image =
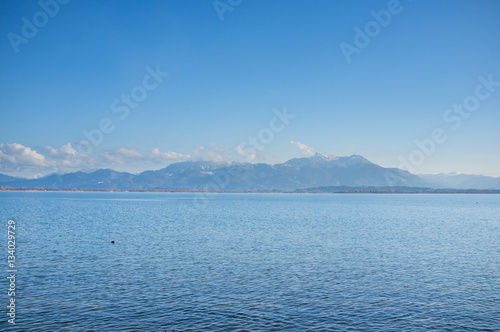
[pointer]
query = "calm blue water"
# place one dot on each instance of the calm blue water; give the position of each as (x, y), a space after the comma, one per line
(253, 262)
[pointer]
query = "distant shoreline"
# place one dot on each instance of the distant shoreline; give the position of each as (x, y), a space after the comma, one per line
(298, 191)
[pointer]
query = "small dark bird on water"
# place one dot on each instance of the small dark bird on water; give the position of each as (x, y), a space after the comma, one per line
(112, 241)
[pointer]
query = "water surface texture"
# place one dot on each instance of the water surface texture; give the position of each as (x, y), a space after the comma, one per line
(253, 262)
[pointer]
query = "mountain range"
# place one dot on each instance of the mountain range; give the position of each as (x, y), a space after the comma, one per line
(299, 173)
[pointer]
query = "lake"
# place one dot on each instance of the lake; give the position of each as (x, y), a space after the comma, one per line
(252, 262)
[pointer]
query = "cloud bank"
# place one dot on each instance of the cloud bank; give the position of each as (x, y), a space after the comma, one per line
(18, 159)
(304, 149)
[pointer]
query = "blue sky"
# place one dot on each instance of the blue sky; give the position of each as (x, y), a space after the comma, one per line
(227, 79)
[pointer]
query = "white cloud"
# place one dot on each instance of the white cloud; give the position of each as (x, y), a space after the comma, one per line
(304, 149)
(19, 156)
(212, 153)
(66, 158)
(65, 151)
(19, 160)
(84, 143)
(111, 159)
(129, 153)
(120, 156)
(213, 156)
(239, 150)
(156, 156)
(199, 149)
(35, 176)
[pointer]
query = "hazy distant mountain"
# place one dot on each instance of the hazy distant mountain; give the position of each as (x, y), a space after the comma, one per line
(6, 178)
(103, 178)
(319, 170)
(461, 181)
(322, 170)
(184, 175)
(298, 173)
